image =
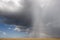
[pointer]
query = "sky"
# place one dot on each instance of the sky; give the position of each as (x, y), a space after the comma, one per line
(50, 17)
(10, 31)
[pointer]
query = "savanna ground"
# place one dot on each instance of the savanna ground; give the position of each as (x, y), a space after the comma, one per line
(29, 38)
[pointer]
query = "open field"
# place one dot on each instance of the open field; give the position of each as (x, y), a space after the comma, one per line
(29, 38)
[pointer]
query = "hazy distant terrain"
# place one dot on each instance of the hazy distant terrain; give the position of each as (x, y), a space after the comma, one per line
(29, 39)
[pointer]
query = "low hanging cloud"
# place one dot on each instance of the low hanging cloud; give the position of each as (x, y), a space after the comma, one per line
(9, 28)
(17, 29)
(3, 33)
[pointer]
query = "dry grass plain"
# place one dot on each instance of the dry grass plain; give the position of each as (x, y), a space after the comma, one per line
(29, 38)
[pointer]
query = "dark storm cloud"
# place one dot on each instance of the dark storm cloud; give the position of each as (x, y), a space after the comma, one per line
(23, 20)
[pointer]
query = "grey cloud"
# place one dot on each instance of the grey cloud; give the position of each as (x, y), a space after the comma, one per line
(53, 17)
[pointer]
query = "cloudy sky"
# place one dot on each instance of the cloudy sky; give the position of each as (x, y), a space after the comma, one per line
(10, 31)
(50, 17)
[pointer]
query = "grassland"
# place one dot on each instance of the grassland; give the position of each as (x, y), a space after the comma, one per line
(29, 38)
